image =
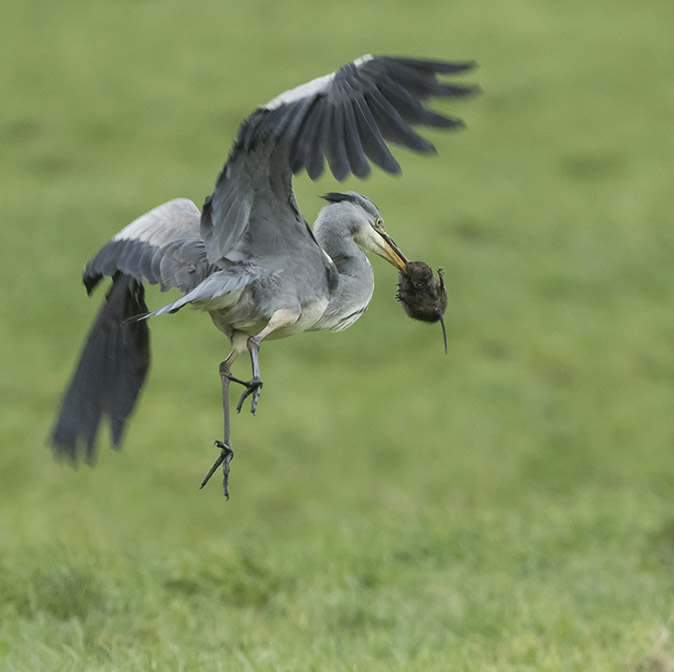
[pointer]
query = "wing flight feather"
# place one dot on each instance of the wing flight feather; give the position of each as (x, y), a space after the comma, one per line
(347, 117)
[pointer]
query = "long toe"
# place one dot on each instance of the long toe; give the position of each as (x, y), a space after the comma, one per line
(225, 457)
(228, 456)
(253, 387)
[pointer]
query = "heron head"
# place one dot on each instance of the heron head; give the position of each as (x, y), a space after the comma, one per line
(366, 226)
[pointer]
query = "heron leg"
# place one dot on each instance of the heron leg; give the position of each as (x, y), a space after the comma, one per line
(226, 452)
(254, 385)
(280, 318)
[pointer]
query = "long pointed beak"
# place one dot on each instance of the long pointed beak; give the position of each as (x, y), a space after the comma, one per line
(392, 253)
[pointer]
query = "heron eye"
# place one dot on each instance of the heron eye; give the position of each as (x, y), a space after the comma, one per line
(379, 224)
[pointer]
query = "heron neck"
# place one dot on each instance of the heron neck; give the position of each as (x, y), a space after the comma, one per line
(352, 294)
(348, 257)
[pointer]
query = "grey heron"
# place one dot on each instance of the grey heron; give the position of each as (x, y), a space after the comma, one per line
(249, 258)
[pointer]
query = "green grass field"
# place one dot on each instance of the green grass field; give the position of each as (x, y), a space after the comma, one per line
(507, 507)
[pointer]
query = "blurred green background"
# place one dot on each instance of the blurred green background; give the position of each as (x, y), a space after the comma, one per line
(507, 507)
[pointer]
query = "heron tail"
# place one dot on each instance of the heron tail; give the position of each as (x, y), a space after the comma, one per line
(111, 371)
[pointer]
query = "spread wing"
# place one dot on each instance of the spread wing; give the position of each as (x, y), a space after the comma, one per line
(346, 117)
(162, 246)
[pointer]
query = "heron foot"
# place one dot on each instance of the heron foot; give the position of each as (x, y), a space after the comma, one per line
(225, 457)
(254, 387)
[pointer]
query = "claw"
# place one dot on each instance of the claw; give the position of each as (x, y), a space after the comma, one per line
(253, 387)
(225, 457)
